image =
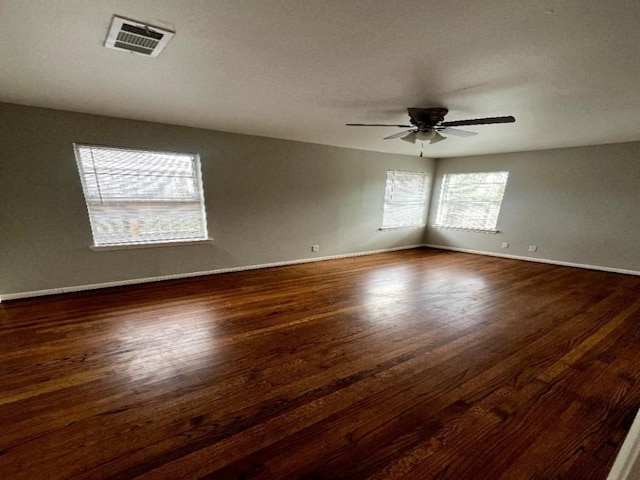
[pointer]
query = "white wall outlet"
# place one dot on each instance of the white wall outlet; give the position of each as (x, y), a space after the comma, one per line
(315, 248)
(532, 248)
(504, 245)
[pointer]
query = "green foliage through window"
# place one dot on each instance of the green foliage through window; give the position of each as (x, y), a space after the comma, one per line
(471, 200)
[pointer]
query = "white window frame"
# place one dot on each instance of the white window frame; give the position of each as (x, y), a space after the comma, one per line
(449, 198)
(140, 209)
(396, 199)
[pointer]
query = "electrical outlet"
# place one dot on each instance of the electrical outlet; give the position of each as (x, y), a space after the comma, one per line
(532, 248)
(315, 248)
(504, 245)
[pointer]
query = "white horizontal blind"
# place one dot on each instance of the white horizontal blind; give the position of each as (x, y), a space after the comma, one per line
(139, 196)
(471, 200)
(404, 200)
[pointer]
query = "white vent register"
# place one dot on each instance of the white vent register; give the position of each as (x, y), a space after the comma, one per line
(135, 37)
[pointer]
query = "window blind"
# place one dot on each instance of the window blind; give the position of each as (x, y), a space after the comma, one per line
(471, 200)
(139, 196)
(405, 199)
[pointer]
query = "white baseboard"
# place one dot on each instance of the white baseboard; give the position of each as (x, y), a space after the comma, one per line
(134, 281)
(78, 288)
(627, 463)
(537, 260)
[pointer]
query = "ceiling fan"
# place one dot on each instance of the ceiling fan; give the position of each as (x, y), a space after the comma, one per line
(428, 123)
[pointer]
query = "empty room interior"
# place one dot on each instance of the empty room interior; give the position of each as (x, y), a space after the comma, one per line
(338, 239)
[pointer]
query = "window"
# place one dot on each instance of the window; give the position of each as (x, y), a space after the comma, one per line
(139, 197)
(404, 200)
(471, 201)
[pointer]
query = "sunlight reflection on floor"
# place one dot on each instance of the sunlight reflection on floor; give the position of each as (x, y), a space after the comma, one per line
(176, 344)
(394, 294)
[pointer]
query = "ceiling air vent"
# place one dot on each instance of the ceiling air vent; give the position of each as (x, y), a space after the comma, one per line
(136, 37)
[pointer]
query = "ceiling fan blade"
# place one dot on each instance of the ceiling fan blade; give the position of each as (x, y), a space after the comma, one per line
(375, 125)
(478, 121)
(404, 133)
(456, 132)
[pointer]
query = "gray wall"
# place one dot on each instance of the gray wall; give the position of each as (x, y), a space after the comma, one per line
(267, 200)
(579, 205)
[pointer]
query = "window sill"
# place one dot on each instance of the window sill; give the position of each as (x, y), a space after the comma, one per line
(401, 228)
(472, 230)
(128, 246)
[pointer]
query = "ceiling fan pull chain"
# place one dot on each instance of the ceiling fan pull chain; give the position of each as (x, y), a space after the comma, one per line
(421, 148)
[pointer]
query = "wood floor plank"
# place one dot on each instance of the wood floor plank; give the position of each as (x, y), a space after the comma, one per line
(415, 364)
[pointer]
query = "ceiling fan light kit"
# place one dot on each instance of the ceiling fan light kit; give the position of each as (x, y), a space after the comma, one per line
(430, 136)
(408, 137)
(427, 123)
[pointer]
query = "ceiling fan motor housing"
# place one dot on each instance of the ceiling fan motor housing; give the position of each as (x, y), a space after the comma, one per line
(426, 118)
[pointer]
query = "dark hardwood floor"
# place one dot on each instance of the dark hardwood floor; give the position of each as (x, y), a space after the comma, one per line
(418, 364)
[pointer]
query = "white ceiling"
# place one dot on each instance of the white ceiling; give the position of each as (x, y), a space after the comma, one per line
(569, 71)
